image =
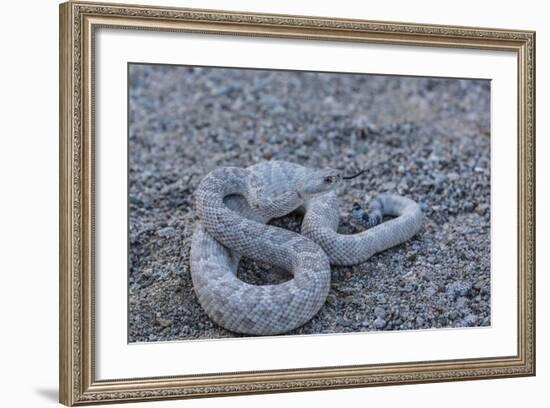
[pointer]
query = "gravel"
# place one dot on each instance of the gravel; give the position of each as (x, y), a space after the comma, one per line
(425, 138)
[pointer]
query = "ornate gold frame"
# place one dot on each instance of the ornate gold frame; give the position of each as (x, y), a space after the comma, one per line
(78, 21)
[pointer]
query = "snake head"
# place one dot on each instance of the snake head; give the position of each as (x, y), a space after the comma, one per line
(319, 182)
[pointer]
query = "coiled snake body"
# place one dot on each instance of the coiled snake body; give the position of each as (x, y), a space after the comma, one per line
(234, 204)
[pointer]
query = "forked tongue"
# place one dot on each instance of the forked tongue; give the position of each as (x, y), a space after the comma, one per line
(352, 177)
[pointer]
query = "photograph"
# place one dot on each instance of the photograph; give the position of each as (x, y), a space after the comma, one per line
(267, 202)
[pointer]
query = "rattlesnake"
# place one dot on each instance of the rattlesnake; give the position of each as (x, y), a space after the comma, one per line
(234, 204)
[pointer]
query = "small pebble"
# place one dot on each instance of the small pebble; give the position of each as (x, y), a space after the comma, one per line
(479, 284)
(164, 322)
(470, 319)
(458, 288)
(468, 206)
(380, 312)
(379, 323)
(167, 232)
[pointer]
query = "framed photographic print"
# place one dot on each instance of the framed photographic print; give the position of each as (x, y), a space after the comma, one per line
(262, 203)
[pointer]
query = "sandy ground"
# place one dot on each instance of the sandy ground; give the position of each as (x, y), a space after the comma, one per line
(428, 139)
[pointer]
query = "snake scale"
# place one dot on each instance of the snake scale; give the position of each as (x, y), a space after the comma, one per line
(234, 205)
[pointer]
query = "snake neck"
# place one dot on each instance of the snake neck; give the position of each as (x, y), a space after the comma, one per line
(272, 188)
(219, 184)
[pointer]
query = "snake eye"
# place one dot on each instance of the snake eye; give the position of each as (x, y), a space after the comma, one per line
(328, 179)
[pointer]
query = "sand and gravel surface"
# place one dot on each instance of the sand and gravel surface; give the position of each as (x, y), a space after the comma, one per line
(425, 138)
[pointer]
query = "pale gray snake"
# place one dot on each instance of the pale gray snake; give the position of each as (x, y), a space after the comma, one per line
(234, 205)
